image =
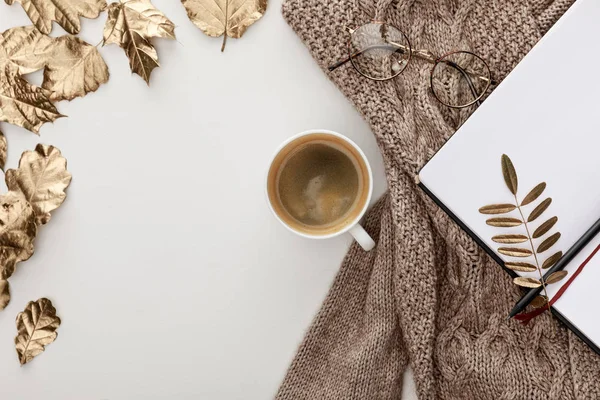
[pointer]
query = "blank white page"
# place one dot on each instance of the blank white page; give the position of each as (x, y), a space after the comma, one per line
(546, 116)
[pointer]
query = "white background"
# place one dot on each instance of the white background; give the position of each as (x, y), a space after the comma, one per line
(172, 279)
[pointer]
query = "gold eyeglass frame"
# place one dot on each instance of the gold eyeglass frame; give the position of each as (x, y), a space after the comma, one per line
(422, 54)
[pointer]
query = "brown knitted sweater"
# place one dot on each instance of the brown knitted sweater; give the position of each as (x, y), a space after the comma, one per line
(427, 296)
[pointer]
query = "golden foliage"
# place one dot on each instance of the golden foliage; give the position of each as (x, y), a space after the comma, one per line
(556, 277)
(3, 151)
(36, 188)
(531, 283)
(520, 266)
(506, 220)
(131, 24)
(42, 178)
(534, 194)
(17, 232)
(539, 301)
(510, 174)
(544, 228)
(227, 18)
(553, 259)
(65, 12)
(36, 327)
(510, 238)
(71, 68)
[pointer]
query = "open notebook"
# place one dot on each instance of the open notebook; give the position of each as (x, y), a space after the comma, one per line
(546, 117)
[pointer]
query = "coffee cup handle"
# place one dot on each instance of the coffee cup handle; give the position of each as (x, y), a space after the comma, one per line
(362, 237)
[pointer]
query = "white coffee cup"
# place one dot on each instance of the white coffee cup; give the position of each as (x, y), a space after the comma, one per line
(359, 209)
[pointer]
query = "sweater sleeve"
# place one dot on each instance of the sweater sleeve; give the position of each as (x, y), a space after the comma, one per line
(353, 349)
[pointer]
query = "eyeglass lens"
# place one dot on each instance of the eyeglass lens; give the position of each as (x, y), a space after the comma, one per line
(380, 51)
(460, 79)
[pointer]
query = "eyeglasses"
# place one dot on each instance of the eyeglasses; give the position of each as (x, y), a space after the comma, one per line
(380, 51)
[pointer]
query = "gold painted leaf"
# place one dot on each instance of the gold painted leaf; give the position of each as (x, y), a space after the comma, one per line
(23, 104)
(539, 301)
(131, 24)
(65, 12)
(534, 194)
(531, 283)
(544, 228)
(510, 239)
(72, 68)
(556, 277)
(227, 18)
(553, 259)
(36, 327)
(4, 294)
(520, 266)
(510, 175)
(539, 210)
(549, 242)
(497, 209)
(17, 232)
(24, 50)
(504, 222)
(76, 69)
(514, 252)
(42, 178)
(3, 150)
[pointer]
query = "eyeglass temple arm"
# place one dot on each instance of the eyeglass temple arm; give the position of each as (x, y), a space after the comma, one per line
(341, 62)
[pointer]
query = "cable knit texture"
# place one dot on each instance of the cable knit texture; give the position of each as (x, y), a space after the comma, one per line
(427, 296)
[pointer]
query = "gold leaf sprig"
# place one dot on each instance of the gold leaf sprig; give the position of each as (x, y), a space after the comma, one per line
(36, 327)
(227, 18)
(36, 189)
(503, 219)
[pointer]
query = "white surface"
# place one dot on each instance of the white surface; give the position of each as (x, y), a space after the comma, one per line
(172, 278)
(545, 117)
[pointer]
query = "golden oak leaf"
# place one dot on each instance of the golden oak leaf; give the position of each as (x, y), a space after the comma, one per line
(17, 232)
(131, 24)
(42, 179)
(65, 12)
(36, 327)
(75, 69)
(229, 18)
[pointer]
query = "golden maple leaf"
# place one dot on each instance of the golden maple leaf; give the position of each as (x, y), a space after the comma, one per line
(23, 104)
(229, 18)
(24, 50)
(65, 12)
(36, 327)
(17, 232)
(72, 68)
(131, 24)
